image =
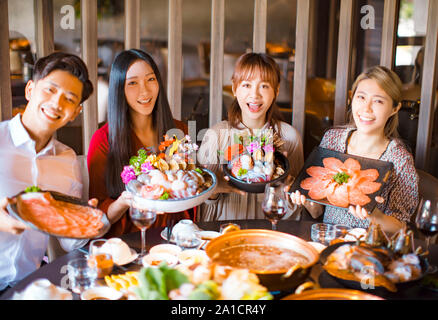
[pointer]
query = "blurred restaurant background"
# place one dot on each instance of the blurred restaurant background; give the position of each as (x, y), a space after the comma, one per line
(320, 46)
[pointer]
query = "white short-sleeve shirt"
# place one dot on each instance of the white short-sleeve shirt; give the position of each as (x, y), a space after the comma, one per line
(53, 168)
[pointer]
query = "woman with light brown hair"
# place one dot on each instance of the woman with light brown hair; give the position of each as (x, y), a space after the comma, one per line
(256, 82)
(372, 133)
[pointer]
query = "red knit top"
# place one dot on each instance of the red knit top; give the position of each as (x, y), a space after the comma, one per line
(96, 160)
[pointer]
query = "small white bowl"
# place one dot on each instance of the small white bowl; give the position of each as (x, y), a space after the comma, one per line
(166, 248)
(120, 251)
(192, 256)
(155, 259)
(355, 234)
(101, 293)
(43, 289)
(209, 235)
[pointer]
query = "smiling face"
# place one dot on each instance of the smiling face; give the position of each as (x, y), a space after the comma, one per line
(371, 107)
(53, 101)
(141, 88)
(255, 96)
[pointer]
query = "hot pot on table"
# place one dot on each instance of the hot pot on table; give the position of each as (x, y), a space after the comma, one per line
(280, 260)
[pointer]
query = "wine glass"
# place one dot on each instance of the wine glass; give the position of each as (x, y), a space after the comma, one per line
(142, 219)
(275, 204)
(427, 222)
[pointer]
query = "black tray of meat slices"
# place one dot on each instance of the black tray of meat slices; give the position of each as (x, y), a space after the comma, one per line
(316, 157)
(15, 212)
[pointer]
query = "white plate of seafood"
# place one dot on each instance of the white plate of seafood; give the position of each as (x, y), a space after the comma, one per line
(172, 191)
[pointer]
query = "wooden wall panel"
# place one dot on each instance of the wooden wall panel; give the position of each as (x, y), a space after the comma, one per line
(300, 71)
(175, 59)
(44, 30)
(389, 33)
(260, 23)
(344, 60)
(216, 60)
(428, 89)
(132, 24)
(89, 55)
(332, 41)
(5, 71)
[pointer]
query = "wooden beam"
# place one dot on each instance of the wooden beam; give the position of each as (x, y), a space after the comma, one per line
(300, 72)
(174, 70)
(260, 25)
(216, 60)
(331, 59)
(44, 30)
(344, 60)
(428, 89)
(89, 55)
(5, 71)
(132, 24)
(389, 33)
(313, 39)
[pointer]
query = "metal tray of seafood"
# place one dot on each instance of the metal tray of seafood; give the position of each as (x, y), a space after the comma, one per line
(316, 157)
(357, 285)
(13, 210)
(258, 187)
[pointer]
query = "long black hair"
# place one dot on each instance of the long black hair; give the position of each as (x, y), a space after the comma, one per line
(119, 121)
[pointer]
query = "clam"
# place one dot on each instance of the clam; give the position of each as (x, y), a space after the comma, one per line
(269, 157)
(162, 165)
(246, 162)
(258, 155)
(144, 178)
(134, 186)
(174, 166)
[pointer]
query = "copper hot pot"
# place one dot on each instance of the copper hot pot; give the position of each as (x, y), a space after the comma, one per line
(274, 279)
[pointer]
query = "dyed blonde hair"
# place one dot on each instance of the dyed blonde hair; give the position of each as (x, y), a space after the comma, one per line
(247, 67)
(389, 81)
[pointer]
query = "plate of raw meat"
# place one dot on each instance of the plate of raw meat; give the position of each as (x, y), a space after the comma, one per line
(59, 215)
(340, 180)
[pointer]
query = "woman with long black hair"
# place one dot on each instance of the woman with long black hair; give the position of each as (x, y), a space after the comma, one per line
(138, 117)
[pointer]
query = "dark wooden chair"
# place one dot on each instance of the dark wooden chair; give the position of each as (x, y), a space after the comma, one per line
(427, 189)
(427, 185)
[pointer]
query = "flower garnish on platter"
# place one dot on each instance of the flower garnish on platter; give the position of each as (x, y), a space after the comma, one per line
(170, 174)
(251, 157)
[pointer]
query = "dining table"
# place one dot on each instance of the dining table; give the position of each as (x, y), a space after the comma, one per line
(56, 271)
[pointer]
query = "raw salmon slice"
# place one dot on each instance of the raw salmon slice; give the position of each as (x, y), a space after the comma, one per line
(356, 197)
(339, 197)
(334, 164)
(368, 187)
(352, 164)
(369, 174)
(320, 172)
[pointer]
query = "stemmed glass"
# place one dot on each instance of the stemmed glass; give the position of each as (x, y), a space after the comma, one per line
(275, 204)
(142, 219)
(427, 222)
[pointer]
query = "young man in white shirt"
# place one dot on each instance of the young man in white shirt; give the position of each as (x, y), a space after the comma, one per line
(29, 155)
